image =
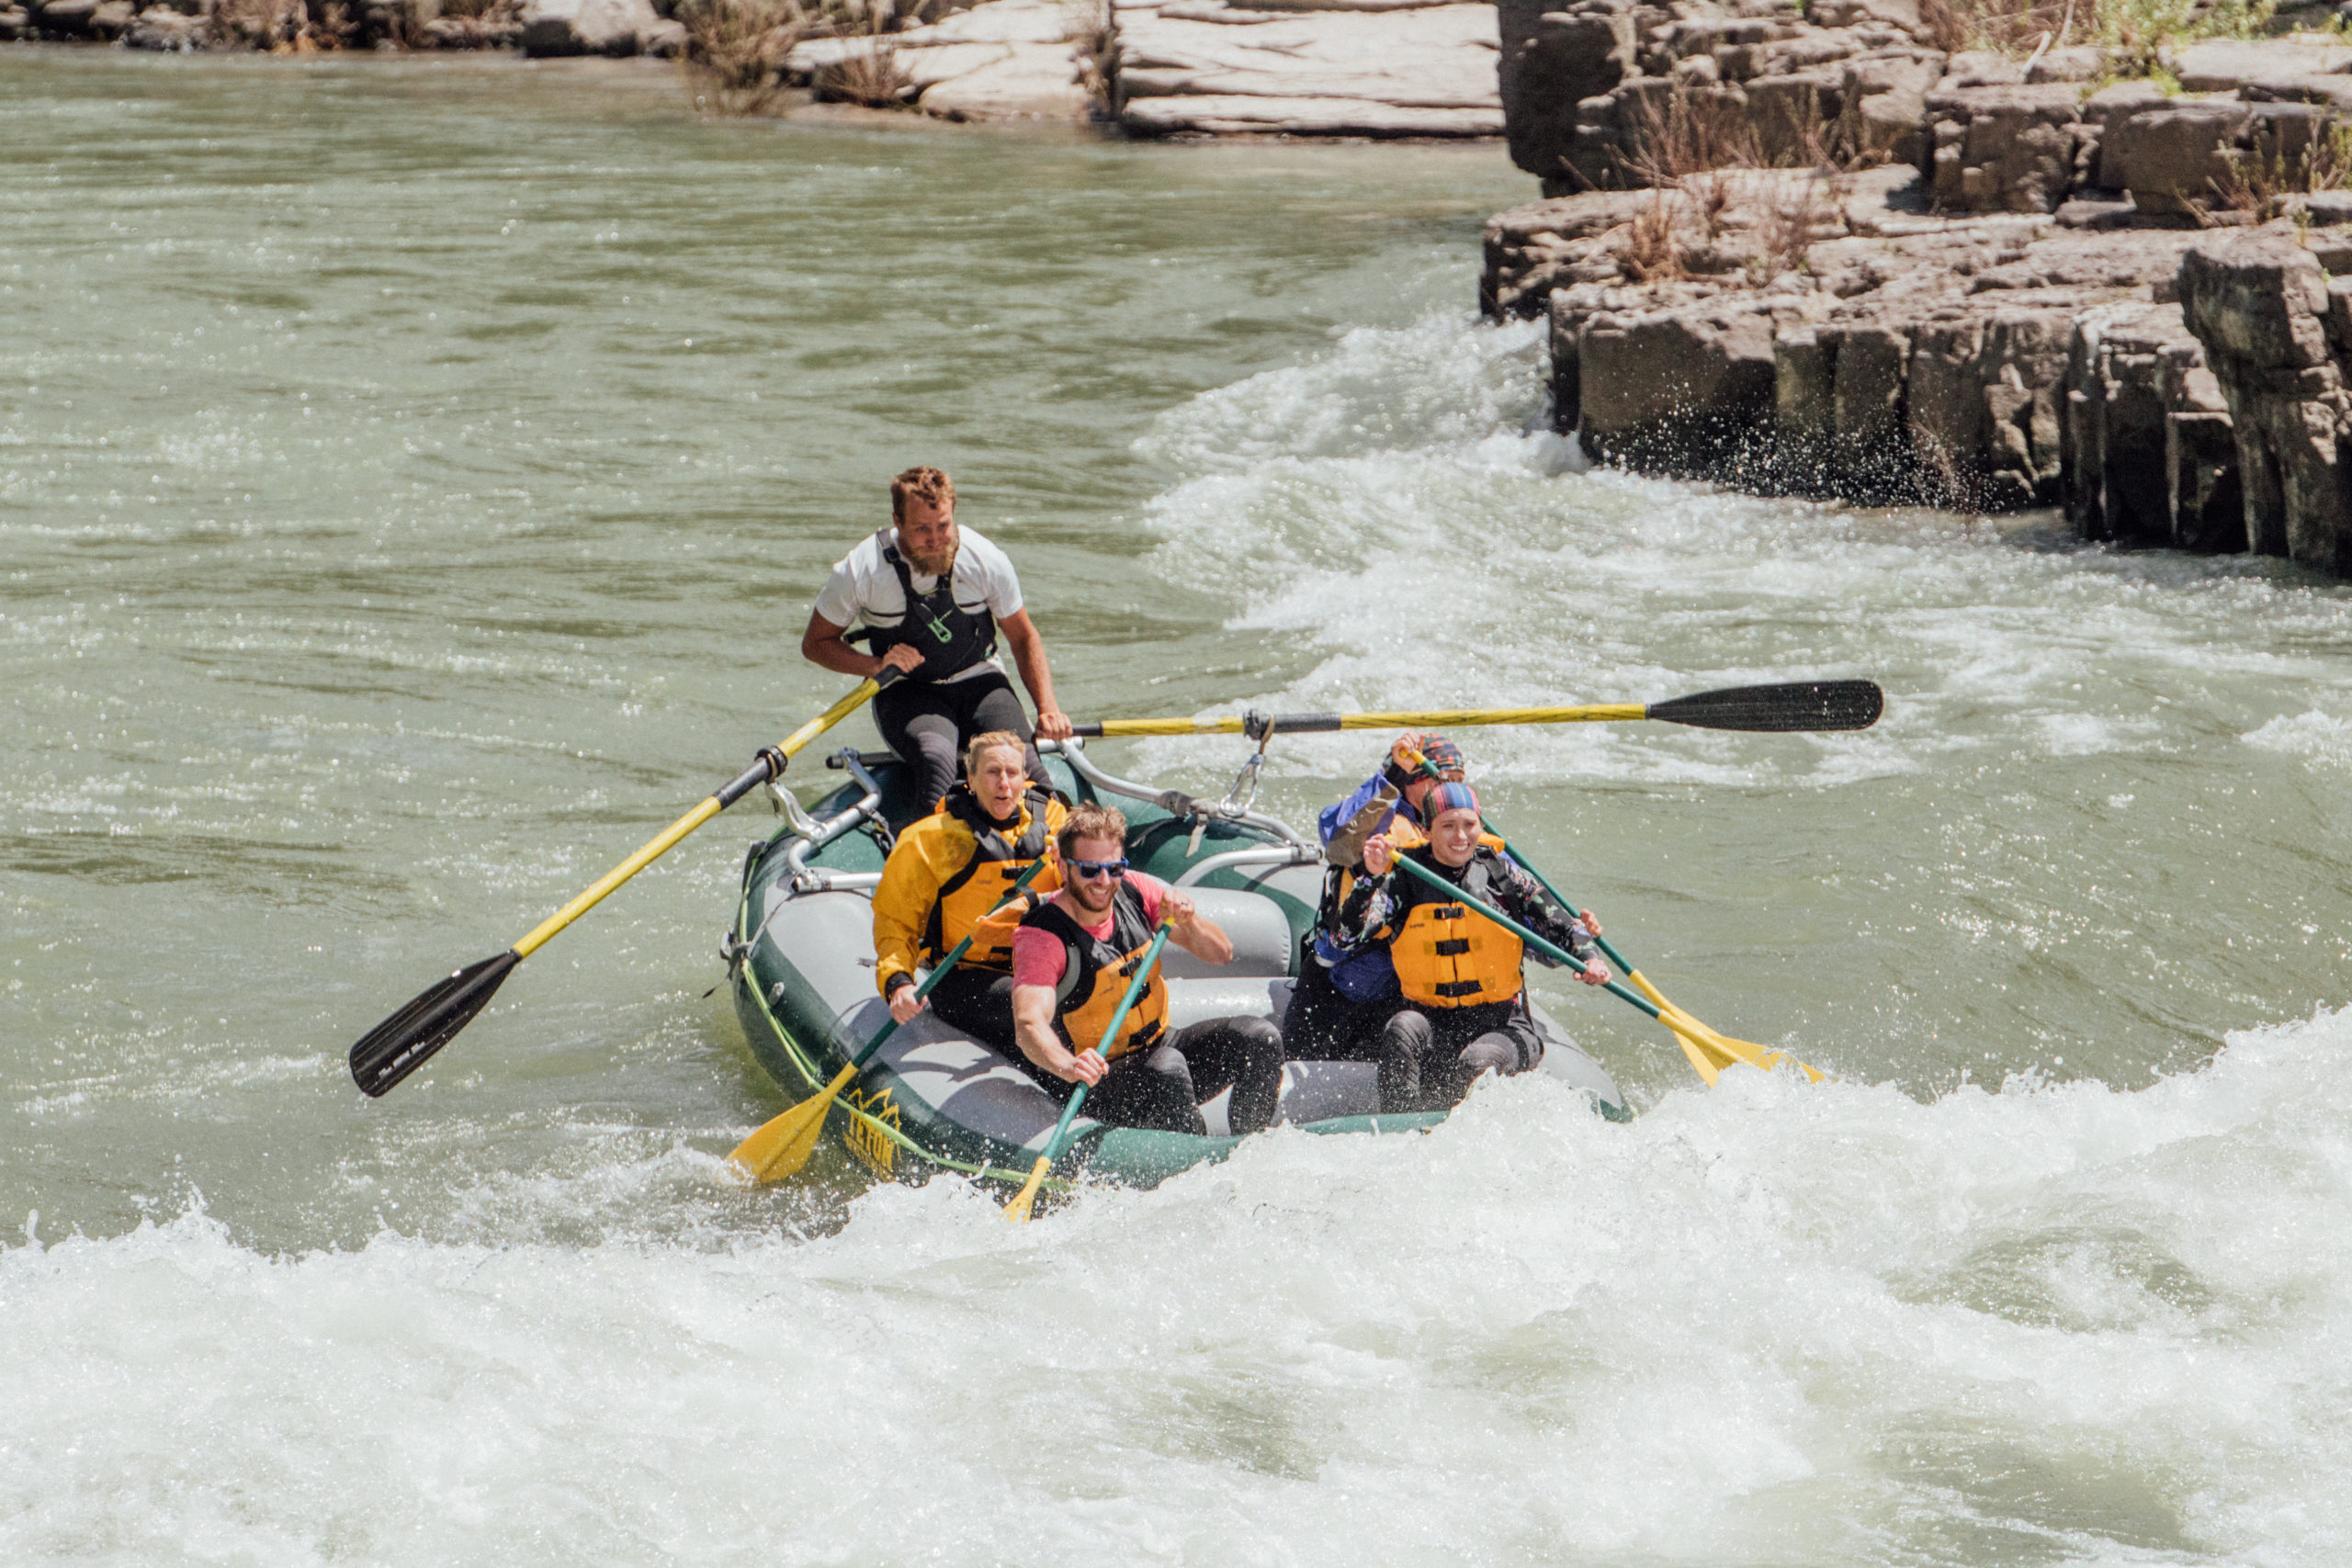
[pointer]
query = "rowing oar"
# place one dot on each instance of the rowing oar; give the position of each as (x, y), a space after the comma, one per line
(1018, 1210)
(400, 1044)
(1712, 1050)
(782, 1145)
(1799, 705)
(1685, 1029)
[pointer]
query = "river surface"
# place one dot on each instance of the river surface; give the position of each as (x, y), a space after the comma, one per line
(412, 481)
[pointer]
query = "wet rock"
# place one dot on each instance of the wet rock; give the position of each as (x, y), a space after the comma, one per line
(112, 19)
(561, 27)
(2263, 311)
(1662, 387)
(2124, 387)
(15, 23)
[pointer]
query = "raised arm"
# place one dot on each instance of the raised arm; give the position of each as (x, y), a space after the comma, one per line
(1192, 931)
(1028, 648)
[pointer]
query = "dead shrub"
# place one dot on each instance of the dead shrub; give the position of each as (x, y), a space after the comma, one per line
(1785, 231)
(255, 24)
(1680, 133)
(871, 76)
(1651, 254)
(735, 52)
(2262, 185)
(2131, 32)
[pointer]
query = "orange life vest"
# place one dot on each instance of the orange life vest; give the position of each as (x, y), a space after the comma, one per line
(1098, 974)
(965, 898)
(1447, 955)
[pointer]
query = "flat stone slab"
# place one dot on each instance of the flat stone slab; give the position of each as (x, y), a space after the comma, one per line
(1007, 60)
(2224, 65)
(1222, 115)
(1404, 70)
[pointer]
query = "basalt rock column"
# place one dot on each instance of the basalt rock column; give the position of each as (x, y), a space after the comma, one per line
(2275, 334)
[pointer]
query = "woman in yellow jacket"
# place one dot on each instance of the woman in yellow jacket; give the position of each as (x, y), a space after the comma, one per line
(945, 875)
(1464, 1006)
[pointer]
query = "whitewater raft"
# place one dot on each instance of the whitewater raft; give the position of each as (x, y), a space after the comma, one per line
(802, 956)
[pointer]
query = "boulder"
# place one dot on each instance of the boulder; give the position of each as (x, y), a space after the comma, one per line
(561, 27)
(666, 39)
(112, 19)
(2123, 387)
(2005, 149)
(162, 29)
(2170, 157)
(70, 18)
(15, 23)
(2261, 309)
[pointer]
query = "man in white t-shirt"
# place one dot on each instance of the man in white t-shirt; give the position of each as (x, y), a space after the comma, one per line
(932, 598)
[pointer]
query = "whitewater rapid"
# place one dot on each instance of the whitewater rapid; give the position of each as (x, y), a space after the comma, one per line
(1770, 1324)
(394, 545)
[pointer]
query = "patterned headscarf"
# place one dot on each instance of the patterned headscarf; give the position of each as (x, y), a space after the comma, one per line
(1445, 797)
(1443, 754)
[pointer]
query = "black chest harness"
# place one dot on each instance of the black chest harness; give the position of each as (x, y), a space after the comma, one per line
(950, 637)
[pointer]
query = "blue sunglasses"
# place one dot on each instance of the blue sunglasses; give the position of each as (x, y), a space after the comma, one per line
(1090, 869)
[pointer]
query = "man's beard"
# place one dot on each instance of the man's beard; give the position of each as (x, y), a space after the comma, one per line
(1081, 893)
(941, 565)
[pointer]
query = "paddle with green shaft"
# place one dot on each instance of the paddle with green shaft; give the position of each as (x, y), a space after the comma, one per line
(781, 1146)
(1685, 1029)
(1405, 863)
(400, 1044)
(1790, 707)
(1018, 1210)
(1709, 1050)
(1714, 1049)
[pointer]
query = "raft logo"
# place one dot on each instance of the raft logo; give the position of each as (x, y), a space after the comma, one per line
(873, 1147)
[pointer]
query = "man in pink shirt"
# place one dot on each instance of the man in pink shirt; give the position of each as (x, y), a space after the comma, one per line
(1074, 957)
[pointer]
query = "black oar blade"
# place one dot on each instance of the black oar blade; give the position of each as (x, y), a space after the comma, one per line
(400, 1044)
(1796, 705)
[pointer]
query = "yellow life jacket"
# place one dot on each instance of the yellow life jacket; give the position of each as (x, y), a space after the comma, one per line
(1447, 955)
(965, 898)
(1098, 974)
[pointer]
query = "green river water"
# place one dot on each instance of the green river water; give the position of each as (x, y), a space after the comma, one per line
(413, 478)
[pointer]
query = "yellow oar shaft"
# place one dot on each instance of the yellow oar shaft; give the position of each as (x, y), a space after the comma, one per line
(1450, 718)
(711, 806)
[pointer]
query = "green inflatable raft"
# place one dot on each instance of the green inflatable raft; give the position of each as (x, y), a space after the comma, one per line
(933, 1098)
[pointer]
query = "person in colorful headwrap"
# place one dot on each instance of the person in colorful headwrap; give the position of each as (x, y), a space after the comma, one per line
(1339, 1001)
(1464, 1008)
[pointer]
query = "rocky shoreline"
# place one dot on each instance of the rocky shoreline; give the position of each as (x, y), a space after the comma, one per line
(1802, 248)
(2126, 299)
(1148, 68)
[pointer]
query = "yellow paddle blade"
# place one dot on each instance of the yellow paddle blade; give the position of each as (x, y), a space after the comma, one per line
(1717, 1044)
(783, 1145)
(1017, 1212)
(1700, 1063)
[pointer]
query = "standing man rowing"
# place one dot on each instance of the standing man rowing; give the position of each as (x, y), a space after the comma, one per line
(932, 598)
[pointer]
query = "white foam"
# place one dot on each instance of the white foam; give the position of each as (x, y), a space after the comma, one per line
(1399, 510)
(1768, 1323)
(2321, 737)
